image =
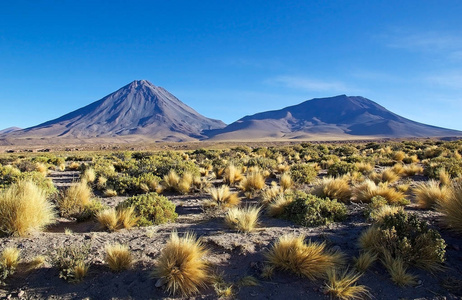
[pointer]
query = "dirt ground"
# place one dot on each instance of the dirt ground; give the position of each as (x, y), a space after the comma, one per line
(233, 254)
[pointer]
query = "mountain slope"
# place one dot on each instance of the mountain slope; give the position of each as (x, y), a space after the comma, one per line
(339, 116)
(139, 108)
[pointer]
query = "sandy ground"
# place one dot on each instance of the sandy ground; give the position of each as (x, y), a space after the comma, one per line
(233, 254)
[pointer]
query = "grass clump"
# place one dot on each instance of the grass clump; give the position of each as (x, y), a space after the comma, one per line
(75, 199)
(365, 260)
(398, 270)
(451, 209)
(71, 262)
(286, 181)
(232, 175)
(342, 285)
(277, 206)
(181, 266)
(151, 208)
(115, 219)
(428, 193)
(222, 197)
(243, 219)
(333, 188)
(254, 181)
(9, 259)
(24, 208)
(365, 191)
(309, 210)
(310, 260)
(118, 257)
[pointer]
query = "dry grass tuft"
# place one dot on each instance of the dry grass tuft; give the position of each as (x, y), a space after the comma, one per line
(110, 193)
(243, 219)
(118, 257)
(36, 263)
(286, 181)
(333, 188)
(181, 265)
(311, 260)
(113, 220)
(276, 207)
(451, 209)
(342, 285)
(389, 175)
(366, 190)
(185, 183)
(222, 197)
(428, 193)
(74, 166)
(9, 258)
(75, 199)
(397, 270)
(380, 213)
(412, 170)
(24, 208)
(364, 167)
(232, 174)
(80, 271)
(445, 178)
(365, 260)
(252, 182)
(89, 175)
(171, 180)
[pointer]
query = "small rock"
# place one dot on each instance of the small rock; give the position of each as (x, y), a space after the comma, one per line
(21, 293)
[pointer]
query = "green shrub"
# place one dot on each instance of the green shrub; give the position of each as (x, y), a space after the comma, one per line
(341, 168)
(72, 262)
(151, 208)
(309, 210)
(303, 173)
(452, 166)
(133, 185)
(404, 236)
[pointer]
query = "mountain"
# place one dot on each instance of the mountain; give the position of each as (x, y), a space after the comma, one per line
(9, 129)
(139, 108)
(328, 118)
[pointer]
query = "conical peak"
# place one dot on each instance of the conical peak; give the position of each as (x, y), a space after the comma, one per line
(141, 83)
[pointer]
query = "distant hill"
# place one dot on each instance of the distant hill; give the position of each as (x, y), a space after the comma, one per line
(9, 129)
(139, 108)
(336, 117)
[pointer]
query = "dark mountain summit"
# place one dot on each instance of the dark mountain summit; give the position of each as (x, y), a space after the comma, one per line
(335, 116)
(137, 108)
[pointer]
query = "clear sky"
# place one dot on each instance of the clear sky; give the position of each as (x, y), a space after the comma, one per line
(228, 59)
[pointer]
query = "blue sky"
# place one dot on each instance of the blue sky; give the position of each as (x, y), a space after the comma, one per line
(227, 59)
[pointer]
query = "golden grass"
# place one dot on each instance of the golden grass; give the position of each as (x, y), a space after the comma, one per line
(428, 193)
(181, 265)
(310, 260)
(80, 271)
(276, 207)
(389, 175)
(364, 167)
(24, 208)
(171, 180)
(364, 261)
(222, 196)
(412, 170)
(89, 175)
(249, 281)
(333, 188)
(399, 155)
(232, 175)
(367, 189)
(243, 219)
(369, 240)
(36, 263)
(110, 193)
(41, 168)
(101, 182)
(185, 183)
(398, 271)
(74, 166)
(75, 199)
(113, 220)
(451, 209)
(286, 181)
(445, 178)
(9, 258)
(379, 214)
(342, 285)
(118, 257)
(252, 182)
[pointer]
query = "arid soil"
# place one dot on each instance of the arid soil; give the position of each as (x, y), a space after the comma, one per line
(233, 254)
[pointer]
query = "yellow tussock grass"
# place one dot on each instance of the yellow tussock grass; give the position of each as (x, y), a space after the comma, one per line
(398, 271)
(364, 261)
(89, 175)
(9, 258)
(343, 285)
(451, 209)
(243, 219)
(223, 197)
(428, 193)
(75, 199)
(232, 174)
(252, 182)
(445, 177)
(333, 188)
(311, 260)
(24, 208)
(181, 265)
(276, 207)
(286, 181)
(118, 257)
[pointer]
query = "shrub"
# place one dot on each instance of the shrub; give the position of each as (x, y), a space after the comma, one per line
(303, 173)
(181, 265)
(242, 219)
(118, 257)
(427, 194)
(310, 260)
(404, 236)
(333, 188)
(342, 285)
(341, 168)
(72, 262)
(24, 208)
(451, 209)
(309, 210)
(151, 209)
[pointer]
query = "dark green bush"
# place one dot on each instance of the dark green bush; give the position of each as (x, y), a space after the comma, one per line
(452, 166)
(152, 209)
(303, 173)
(341, 168)
(309, 210)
